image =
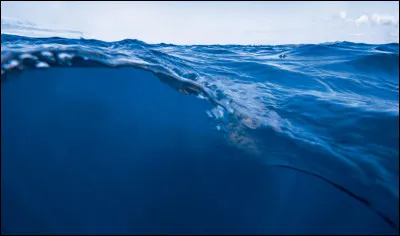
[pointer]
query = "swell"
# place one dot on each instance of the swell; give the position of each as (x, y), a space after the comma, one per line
(242, 103)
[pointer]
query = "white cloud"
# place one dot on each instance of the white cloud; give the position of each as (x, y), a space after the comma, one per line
(362, 20)
(366, 26)
(376, 19)
(343, 14)
(27, 28)
(16, 22)
(356, 34)
(384, 19)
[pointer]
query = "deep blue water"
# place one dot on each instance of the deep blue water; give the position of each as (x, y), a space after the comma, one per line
(128, 137)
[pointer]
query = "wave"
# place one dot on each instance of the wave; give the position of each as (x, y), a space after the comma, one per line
(336, 102)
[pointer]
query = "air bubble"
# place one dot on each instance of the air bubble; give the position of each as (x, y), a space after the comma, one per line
(64, 56)
(12, 64)
(42, 64)
(47, 54)
(27, 56)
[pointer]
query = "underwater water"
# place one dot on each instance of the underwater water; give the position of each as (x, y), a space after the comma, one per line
(129, 137)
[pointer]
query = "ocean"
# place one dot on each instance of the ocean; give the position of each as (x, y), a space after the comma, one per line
(134, 138)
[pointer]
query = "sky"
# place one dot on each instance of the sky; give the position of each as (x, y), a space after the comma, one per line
(208, 22)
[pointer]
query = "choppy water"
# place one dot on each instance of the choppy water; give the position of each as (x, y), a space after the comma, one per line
(328, 111)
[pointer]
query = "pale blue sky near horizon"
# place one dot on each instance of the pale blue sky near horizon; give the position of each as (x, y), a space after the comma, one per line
(216, 22)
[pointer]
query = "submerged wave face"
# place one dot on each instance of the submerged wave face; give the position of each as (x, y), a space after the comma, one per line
(328, 110)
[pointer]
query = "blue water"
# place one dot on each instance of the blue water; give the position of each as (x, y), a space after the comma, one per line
(129, 137)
